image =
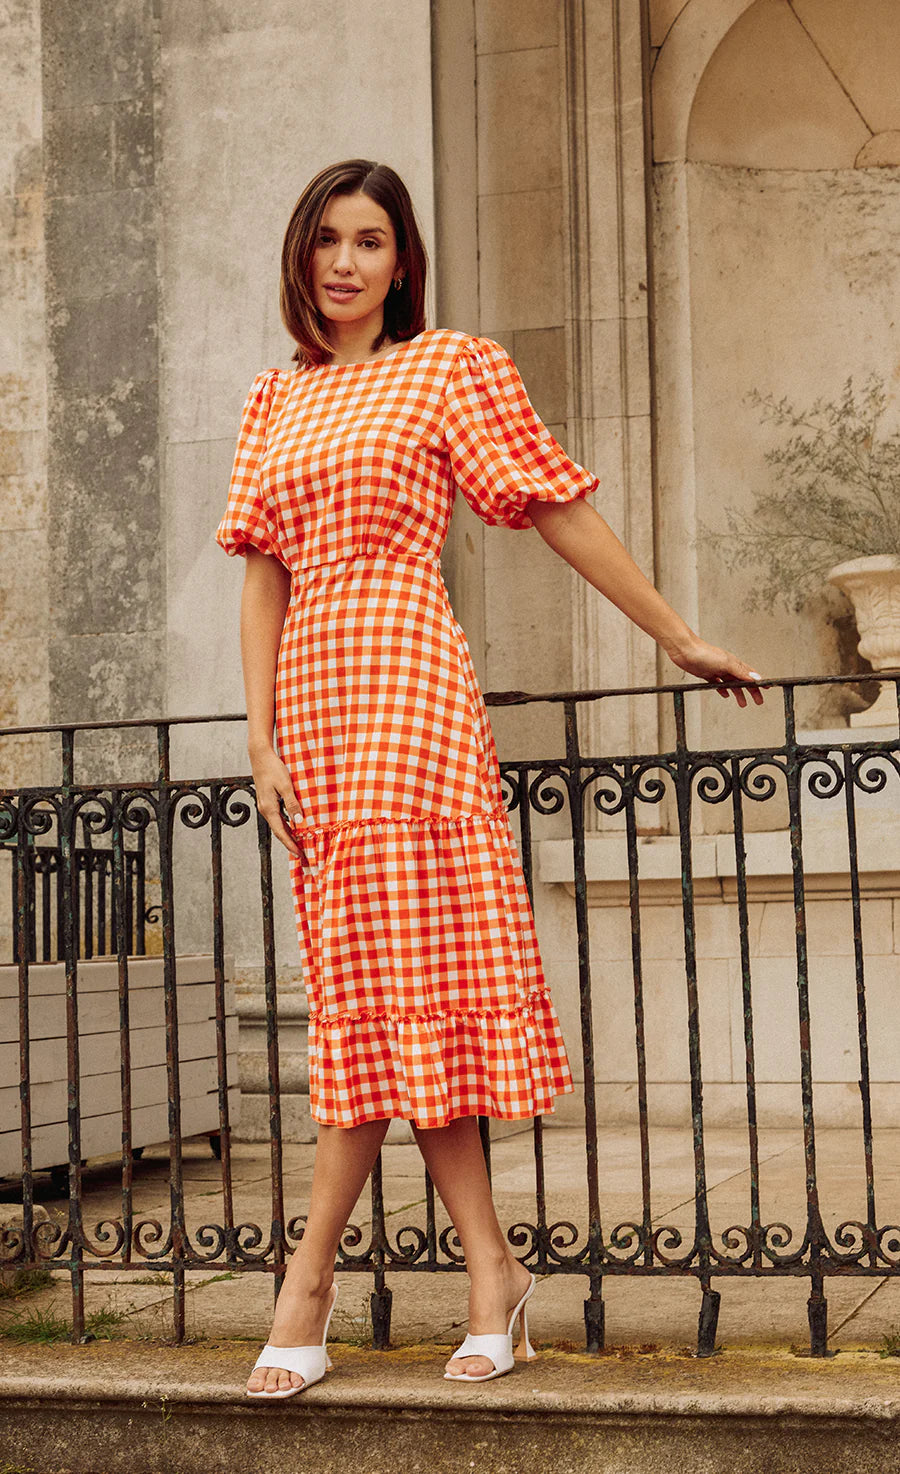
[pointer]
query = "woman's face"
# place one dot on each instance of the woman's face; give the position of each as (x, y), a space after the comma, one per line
(354, 261)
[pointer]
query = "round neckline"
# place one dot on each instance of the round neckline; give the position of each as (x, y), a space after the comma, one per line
(368, 362)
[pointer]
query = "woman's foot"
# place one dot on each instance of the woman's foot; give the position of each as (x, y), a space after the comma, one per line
(493, 1292)
(300, 1317)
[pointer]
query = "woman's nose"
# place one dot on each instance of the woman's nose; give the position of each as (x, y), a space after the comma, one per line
(343, 260)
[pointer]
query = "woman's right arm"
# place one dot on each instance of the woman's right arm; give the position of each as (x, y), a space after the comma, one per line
(264, 602)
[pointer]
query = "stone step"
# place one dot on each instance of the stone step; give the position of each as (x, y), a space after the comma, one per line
(135, 1408)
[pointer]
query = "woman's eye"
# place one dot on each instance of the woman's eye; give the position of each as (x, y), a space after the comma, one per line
(328, 240)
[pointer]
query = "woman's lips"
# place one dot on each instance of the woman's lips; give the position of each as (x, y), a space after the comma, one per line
(342, 294)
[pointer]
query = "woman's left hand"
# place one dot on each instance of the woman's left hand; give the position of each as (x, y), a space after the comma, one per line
(711, 664)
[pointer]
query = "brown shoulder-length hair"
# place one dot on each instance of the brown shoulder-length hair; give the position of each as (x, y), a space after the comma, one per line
(404, 308)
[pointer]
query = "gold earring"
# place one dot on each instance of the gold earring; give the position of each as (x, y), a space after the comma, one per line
(398, 282)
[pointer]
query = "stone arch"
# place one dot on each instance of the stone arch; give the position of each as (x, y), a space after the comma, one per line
(686, 50)
(777, 83)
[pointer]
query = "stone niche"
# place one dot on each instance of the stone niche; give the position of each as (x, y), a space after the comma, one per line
(775, 186)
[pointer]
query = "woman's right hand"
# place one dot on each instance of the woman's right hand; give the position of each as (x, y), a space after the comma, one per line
(272, 782)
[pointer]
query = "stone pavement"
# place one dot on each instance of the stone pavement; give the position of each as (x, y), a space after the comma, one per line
(431, 1308)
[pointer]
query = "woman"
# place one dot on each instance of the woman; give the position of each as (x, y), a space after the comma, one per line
(427, 998)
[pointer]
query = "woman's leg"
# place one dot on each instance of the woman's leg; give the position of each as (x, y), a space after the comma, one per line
(345, 1155)
(455, 1159)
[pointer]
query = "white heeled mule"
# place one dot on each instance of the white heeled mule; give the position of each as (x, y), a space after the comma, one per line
(309, 1362)
(498, 1348)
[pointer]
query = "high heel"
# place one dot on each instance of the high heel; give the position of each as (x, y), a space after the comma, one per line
(309, 1362)
(498, 1348)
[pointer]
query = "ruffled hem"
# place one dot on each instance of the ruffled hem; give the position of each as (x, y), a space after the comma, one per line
(388, 821)
(383, 1015)
(429, 1068)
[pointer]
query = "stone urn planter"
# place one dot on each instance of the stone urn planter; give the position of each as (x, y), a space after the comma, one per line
(873, 587)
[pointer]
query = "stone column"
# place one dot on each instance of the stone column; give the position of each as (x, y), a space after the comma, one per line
(24, 673)
(609, 342)
(106, 638)
(542, 229)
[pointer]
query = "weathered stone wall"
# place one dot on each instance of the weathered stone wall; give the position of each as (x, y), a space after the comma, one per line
(771, 940)
(106, 636)
(253, 102)
(24, 574)
(83, 602)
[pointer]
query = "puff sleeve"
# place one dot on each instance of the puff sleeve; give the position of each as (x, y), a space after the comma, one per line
(501, 453)
(246, 518)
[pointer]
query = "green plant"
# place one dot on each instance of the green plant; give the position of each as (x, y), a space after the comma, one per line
(101, 1323)
(891, 1342)
(836, 495)
(37, 1325)
(45, 1326)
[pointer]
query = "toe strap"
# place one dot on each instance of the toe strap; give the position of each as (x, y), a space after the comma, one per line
(307, 1361)
(497, 1348)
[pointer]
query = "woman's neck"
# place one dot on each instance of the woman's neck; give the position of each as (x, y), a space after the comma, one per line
(352, 342)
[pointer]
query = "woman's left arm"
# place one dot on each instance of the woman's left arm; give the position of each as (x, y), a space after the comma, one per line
(577, 532)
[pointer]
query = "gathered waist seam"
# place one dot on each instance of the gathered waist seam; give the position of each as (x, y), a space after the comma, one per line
(356, 557)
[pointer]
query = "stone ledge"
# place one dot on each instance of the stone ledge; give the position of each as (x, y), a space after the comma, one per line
(619, 1379)
(769, 873)
(141, 1408)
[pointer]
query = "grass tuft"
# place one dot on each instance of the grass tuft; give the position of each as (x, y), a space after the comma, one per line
(43, 1327)
(40, 1326)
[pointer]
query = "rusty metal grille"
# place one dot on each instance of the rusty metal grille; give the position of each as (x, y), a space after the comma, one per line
(685, 785)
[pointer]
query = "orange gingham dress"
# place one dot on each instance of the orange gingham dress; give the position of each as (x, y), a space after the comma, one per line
(427, 998)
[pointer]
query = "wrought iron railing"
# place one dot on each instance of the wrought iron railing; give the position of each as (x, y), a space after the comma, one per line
(95, 922)
(691, 790)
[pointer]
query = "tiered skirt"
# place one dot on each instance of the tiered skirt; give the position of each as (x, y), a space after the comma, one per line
(426, 992)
